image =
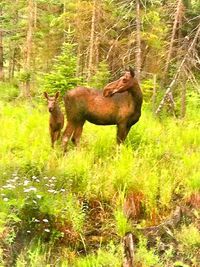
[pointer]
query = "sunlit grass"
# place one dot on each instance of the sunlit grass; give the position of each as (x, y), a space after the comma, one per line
(159, 160)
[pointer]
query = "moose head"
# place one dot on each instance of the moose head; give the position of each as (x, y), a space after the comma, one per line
(52, 101)
(121, 85)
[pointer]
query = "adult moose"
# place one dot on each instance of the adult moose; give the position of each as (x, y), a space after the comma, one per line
(119, 104)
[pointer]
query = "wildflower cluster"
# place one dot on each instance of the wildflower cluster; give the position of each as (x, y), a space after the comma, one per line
(31, 191)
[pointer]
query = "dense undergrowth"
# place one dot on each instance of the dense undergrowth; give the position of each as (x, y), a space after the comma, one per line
(73, 209)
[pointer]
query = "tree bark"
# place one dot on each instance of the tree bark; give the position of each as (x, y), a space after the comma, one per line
(28, 49)
(92, 41)
(176, 21)
(183, 100)
(180, 68)
(1, 51)
(138, 40)
(154, 94)
(128, 245)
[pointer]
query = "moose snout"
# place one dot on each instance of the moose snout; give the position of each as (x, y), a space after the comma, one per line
(50, 109)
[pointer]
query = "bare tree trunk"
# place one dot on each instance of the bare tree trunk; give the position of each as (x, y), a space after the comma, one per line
(92, 40)
(28, 49)
(176, 20)
(13, 46)
(138, 40)
(183, 100)
(154, 94)
(176, 76)
(1, 51)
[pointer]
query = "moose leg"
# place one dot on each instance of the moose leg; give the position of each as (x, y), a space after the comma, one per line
(69, 130)
(77, 134)
(122, 131)
(58, 135)
(52, 138)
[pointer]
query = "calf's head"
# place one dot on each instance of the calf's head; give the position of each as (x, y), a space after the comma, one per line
(122, 84)
(51, 101)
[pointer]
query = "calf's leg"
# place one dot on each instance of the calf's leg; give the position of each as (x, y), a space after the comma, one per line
(52, 138)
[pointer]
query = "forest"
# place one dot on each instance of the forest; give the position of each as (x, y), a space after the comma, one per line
(99, 203)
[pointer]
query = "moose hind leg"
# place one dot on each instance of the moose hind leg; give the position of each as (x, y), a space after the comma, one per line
(68, 132)
(122, 132)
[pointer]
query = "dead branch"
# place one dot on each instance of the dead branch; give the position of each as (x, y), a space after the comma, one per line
(176, 76)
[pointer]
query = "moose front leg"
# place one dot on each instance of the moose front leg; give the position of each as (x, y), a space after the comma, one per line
(52, 138)
(77, 134)
(122, 132)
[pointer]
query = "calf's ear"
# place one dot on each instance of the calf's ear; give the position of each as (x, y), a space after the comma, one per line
(57, 95)
(132, 72)
(46, 95)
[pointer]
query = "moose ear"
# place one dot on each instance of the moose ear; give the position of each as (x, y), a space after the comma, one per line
(57, 95)
(46, 95)
(132, 72)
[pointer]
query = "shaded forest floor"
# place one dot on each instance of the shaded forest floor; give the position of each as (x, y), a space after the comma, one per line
(74, 209)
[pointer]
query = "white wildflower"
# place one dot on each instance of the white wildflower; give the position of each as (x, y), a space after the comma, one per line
(36, 220)
(47, 230)
(26, 182)
(30, 189)
(9, 186)
(51, 190)
(28, 231)
(62, 190)
(37, 180)
(45, 220)
(5, 199)
(38, 196)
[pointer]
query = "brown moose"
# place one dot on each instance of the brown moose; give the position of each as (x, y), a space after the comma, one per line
(120, 103)
(56, 120)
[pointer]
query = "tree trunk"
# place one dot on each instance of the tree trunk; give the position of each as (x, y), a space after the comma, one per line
(1, 51)
(180, 68)
(154, 95)
(138, 40)
(28, 49)
(183, 100)
(176, 21)
(92, 41)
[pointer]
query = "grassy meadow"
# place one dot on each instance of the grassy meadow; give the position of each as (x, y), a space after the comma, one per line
(71, 210)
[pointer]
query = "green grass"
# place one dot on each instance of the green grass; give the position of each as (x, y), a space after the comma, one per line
(160, 160)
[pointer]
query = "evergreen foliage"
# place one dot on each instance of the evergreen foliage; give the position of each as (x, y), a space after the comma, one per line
(63, 76)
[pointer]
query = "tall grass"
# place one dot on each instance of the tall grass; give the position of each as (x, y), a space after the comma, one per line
(160, 160)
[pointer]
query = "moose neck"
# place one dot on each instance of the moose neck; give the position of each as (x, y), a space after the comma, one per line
(136, 93)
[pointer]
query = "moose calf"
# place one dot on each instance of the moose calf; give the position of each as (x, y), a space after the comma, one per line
(56, 120)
